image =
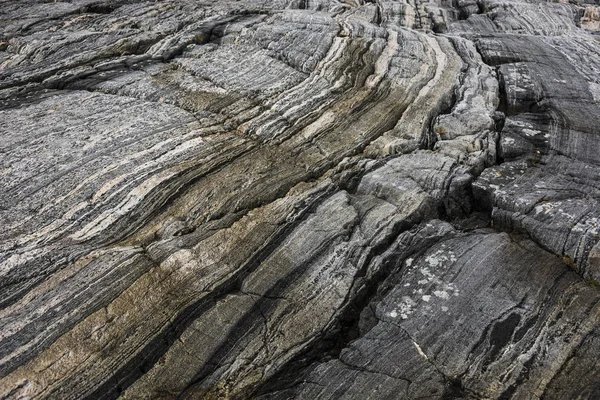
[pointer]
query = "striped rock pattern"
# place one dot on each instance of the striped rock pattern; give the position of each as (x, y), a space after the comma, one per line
(285, 199)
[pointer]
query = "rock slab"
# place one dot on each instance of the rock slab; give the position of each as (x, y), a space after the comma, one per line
(286, 199)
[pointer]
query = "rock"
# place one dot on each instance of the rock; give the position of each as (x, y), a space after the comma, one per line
(491, 341)
(554, 200)
(299, 199)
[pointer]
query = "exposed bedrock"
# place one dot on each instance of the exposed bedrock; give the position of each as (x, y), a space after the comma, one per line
(290, 199)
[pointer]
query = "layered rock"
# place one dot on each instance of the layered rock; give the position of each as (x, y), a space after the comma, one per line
(299, 199)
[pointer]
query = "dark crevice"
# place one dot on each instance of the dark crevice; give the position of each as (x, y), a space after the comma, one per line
(501, 334)
(454, 389)
(481, 7)
(100, 8)
(378, 13)
(431, 137)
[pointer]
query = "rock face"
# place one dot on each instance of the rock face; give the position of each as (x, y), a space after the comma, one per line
(286, 199)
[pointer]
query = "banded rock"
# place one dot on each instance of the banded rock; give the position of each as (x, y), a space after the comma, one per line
(299, 199)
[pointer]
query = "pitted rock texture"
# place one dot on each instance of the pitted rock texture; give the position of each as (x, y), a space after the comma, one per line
(285, 199)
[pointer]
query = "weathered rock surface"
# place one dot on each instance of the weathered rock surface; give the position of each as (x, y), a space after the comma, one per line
(285, 199)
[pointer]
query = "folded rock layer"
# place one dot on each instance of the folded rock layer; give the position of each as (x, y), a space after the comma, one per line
(319, 199)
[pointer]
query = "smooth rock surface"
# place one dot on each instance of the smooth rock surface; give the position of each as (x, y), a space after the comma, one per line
(319, 199)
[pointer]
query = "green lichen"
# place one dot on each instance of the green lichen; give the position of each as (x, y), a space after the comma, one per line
(593, 282)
